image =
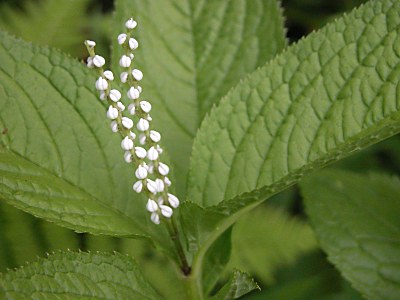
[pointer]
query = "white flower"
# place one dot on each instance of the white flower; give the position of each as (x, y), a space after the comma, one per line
(103, 95)
(160, 185)
(101, 84)
(145, 106)
(131, 55)
(120, 106)
(143, 125)
(149, 118)
(166, 211)
(132, 134)
(137, 74)
(173, 200)
(114, 126)
(141, 172)
(115, 95)
(121, 38)
(155, 136)
(167, 181)
(99, 61)
(112, 112)
(128, 156)
(133, 43)
(127, 123)
(140, 152)
(139, 88)
(130, 24)
(151, 205)
(125, 61)
(109, 75)
(142, 139)
(90, 43)
(155, 218)
(132, 108)
(151, 186)
(163, 169)
(89, 62)
(138, 186)
(127, 144)
(124, 77)
(152, 154)
(133, 93)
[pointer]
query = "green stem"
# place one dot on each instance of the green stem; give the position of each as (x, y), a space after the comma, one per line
(174, 234)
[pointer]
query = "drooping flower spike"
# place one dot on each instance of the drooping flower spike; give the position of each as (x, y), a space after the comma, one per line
(150, 172)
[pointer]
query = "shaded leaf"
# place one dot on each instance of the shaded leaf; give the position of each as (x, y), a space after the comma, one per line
(356, 219)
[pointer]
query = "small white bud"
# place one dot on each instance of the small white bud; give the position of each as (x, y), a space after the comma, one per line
(121, 38)
(166, 211)
(140, 152)
(155, 136)
(152, 154)
(141, 172)
(163, 169)
(145, 106)
(120, 106)
(101, 84)
(159, 149)
(155, 218)
(139, 88)
(127, 123)
(131, 55)
(133, 93)
(173, 201)
(99, 61)
(151, 205)
(132, 108)
(132, 134)
(151, 186)
(160, 200)
(133, 43)
(127, 144)
(150, 168)
(128, 156)
(89, 62)
(103, 95)
(109, 75)
(114, 126)
(124, 77)
(112, 113)
(138, 186)
(142, 139)
(114, 95)
(125, 61)
(167, 181)
(90, 43)
(149, 118)
(130, 24)
(160, 185)
(137, 74)
(143, 125)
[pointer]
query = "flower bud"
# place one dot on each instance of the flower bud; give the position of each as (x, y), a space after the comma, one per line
(130, 24)
(128, 156)
(90, 43)
(133, 43)
(89, 62)
(151, 186)
(152, 154)
(109, 75)
(140, 152)
(167, 181)
(145, 106)
(141, 172)
(114, 126)
(114, 95)
(121, 38)
(166, 211)
(120, 106)
(124, 77)
(138, 186)
(155, 136)
(173, 201)
(151, 205)
(142, 139)
(99, 61)
(133, 93)
(127, 144)
(160, 185)
(155, 218)
(132, 108)
(112, 112)
(143, 125)
(103, 95)
(127, 123)
(137, 74)
(125, 61)
(101, 84)
(163, 169)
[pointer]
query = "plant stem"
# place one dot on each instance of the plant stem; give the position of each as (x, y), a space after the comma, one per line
(174, 234)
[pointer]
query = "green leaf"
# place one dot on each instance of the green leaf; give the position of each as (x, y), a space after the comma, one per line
(331, 94)
(238, 285)
(191, 54)
(58, 158)
(356, 219)
(266, 239)
(78, 276)
(48, 22)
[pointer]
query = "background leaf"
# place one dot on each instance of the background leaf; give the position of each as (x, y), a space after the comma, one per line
(192, 53)
(78, 276)
(327, 96)
(58, 158)
(48, 22)
(356, 219)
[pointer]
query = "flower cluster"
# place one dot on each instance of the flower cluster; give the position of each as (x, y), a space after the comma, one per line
(140, 142)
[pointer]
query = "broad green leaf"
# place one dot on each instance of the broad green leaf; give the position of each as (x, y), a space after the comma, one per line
(266, 239)
(356, 219)
(57, 23)
(238, 285)
(69, 275)
(58, 158)
(331, 94)
(191, 53)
